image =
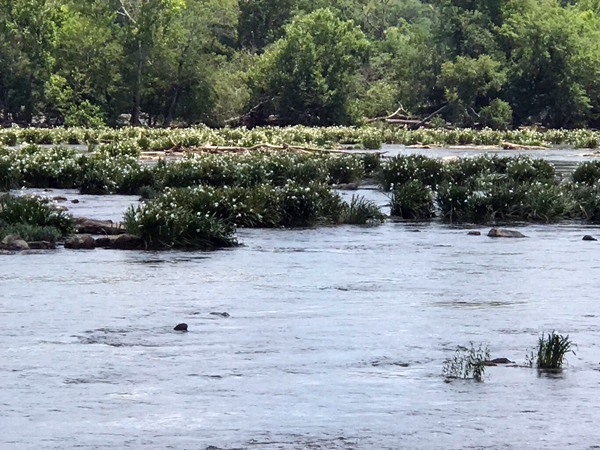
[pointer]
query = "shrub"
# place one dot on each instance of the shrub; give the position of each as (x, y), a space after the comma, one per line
(551, 351)
(467, 363)
(345, 169)
(412, 200)
(314, 204)
(362, 212)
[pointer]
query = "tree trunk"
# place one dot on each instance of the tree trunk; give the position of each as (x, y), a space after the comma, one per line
(171, 112)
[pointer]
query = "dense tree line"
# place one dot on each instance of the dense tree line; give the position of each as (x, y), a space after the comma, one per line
(497, 63)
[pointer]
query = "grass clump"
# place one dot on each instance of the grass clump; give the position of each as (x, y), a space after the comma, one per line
(33, 218)
(551, 351)
(361, 211)
(467, 363)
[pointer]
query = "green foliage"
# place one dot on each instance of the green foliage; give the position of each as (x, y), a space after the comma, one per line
(362, 212)
(404, 168)
(497, 115)
(31, 233)
(467, 363)
(412, 200)
(587, 172)
(551, 351)
(16, 211)
(306, 77)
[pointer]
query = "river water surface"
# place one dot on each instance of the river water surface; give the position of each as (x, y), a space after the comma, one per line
(336, 339)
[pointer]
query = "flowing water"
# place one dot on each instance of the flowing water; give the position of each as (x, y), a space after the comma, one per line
(334, 338)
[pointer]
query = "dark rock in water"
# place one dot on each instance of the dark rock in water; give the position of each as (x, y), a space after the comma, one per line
(104, 241)
(221, 314)
(474, 233)
(127, 242)
(75, 201)
(84, 242)
(589, 238)
(502, 361)
(181, 327)
(502, 233)
(41, 245)
(13, 242)
(59, 198)
(92, 226)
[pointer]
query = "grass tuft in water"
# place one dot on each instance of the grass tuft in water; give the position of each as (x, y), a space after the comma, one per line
(551, 351)
(361, 211)
(467, 363)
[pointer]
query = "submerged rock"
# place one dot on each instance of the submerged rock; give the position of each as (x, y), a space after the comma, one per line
(474, 233)
(181, 327)
(587, 237)
(13, 242)
(93, 226)
(220, 314)
(59, 198)
(502, 233)
(502, 361)
(74, 201)
(84, 242)
(41, 245)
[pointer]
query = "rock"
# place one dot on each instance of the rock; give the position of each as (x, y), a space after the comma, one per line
(181, 327)
(84, 242)
(127, 242)
(92, 226)
(502, 361)
(13, 242)
(347, 187)
(41, 245)
(474, 233)
(589, 238)
(502, 233)
(221, 314)
(104, 241)
(58, 208)
(59, 198)
(75, 201)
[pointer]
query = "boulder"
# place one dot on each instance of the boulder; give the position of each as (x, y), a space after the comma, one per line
(127, 242)
(181, 327)
(92, 226)
(104, 241)
(589, 238)
(84, 242)
(59, 198)
(474, 233)
(75, 201)
(502, 233)
(41, 245)
(13, 242)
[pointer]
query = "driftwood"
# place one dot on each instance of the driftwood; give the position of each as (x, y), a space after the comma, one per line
(409, 121)
(503, 146)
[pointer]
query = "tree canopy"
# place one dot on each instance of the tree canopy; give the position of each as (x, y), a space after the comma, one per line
(497, 63)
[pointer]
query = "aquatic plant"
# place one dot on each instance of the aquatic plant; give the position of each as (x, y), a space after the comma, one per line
(467, 363)
(551, 351)
(404, 168)
(412, 200)
(31, 232)
(361, 211)
(587, 172)
(17, 211)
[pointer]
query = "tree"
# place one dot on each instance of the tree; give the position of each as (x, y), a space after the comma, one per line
(306, 77)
